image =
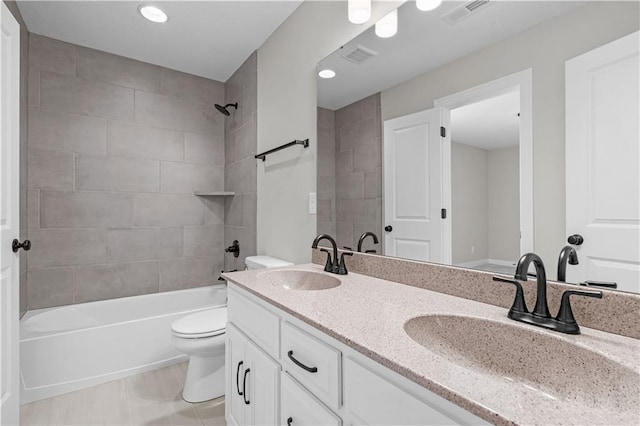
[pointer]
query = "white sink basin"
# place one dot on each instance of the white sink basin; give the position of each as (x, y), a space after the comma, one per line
(554, 366)
(302, 280)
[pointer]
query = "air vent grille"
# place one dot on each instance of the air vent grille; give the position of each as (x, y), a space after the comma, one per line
(475, 4)
(359, 54)
(466, 10)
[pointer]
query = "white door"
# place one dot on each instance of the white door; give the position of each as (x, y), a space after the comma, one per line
(235, 364)
(603, 163)
(413, 186)
(9, 215)
(263, 387)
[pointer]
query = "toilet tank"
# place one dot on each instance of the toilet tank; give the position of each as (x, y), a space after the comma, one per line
(265, 262)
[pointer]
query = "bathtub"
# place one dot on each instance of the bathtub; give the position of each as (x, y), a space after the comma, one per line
(67, 348)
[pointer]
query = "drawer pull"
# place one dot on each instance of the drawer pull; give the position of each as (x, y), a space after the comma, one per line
(301, 365)
(289, 421)
(244, 386)
(238, 377)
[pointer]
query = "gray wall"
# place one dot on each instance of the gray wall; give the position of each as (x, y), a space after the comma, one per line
(241, 140)
(469, 203)
(504, 204)
(116, 149)
(326, 172)
(24, 63)
(358, 164)
(485, 203)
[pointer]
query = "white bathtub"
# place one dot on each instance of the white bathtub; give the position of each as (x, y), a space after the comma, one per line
(72, 347)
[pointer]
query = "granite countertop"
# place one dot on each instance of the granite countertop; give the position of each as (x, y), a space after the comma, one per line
(369, 315)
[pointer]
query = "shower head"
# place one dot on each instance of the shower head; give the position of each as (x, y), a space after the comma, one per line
(224, 110)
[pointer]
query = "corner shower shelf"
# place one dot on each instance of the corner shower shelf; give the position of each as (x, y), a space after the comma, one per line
(215, 193)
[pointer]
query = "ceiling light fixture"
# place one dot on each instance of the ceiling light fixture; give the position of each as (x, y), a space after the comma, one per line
(327, 73)
(153, 14)
(359, 11)
(388, 26)
(426, 5)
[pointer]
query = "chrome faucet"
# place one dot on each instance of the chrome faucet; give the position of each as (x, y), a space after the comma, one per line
(567, 255)
(564, 322)
(363, 237)
(334, 266)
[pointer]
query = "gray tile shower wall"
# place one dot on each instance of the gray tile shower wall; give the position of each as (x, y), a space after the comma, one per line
(241, 140)
(116, 149)
(358, 166)
(326, 171)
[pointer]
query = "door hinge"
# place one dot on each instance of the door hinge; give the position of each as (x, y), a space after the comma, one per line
(443, 213)
(443, 132)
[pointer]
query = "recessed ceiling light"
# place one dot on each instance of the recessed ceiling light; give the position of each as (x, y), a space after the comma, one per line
(426, 5)
(327, 73)
(153, 14)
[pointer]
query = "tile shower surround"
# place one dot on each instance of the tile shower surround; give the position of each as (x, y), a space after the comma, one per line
(617, 312)
(241, 142)
(350, 171)
(116, 148)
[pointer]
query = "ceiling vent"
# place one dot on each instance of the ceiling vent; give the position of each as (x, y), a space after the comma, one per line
(463, 12)
(359, 54)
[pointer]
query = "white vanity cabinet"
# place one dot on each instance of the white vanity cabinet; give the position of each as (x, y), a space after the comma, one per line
(253, 382)
(304, 377)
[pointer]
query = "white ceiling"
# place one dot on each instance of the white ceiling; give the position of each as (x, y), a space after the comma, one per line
(207, 38)
(425, 42)
(489, 124)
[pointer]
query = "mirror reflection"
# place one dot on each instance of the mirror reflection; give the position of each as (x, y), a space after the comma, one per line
(494, 187)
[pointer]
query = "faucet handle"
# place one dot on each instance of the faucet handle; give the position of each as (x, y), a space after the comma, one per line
(519, 305)
(565, 314)
(605, 284)
(342, 268)
(328, 266)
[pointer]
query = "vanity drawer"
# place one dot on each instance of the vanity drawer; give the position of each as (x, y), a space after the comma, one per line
(257, 323)
(300, 408)
(316, 365)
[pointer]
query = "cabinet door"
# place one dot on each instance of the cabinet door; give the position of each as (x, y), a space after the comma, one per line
(236, 364)
(263, 387)
(370, 399)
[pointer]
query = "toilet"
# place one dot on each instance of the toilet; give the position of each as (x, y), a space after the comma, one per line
(202, 336)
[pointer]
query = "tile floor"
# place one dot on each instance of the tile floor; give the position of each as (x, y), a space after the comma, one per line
(151, 398)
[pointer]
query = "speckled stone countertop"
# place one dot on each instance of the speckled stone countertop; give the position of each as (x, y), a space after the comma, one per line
(528, 376)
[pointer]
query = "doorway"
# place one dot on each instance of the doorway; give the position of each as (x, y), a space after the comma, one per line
(488, 174)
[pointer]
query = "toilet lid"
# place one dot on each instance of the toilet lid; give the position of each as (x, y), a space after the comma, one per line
(206, 323)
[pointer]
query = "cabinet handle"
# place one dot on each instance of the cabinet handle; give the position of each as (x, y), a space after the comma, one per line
(289, 421)
(244, 386)
(301, 365)
(238, 377)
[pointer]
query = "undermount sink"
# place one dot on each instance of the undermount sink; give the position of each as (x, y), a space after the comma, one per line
(302, 280)
(544, 363)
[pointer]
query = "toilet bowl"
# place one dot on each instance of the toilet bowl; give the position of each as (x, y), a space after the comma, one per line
(201, 336)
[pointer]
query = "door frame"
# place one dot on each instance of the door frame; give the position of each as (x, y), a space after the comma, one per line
(521, 81)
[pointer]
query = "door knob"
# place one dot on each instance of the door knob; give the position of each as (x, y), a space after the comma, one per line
(575, 239)
(17, 245)
(388, 228)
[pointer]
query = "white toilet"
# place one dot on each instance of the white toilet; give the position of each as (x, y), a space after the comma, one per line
(201, 336)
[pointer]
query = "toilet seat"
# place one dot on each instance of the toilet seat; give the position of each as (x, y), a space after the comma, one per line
(207, 323)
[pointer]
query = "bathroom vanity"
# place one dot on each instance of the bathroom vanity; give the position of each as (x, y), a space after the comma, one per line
(307, 347)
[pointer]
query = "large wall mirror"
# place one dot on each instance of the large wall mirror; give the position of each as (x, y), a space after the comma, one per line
(451, 141)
